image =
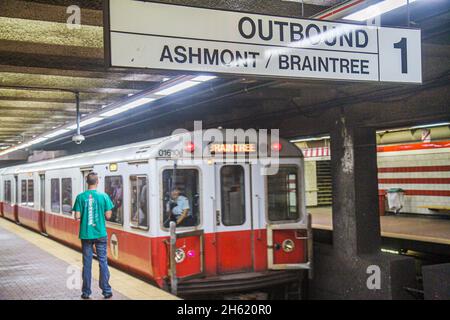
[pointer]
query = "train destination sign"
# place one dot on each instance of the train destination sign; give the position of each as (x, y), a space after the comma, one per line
(233, 148)
(171, 37)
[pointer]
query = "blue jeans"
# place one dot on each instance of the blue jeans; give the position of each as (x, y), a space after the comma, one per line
(101, 246)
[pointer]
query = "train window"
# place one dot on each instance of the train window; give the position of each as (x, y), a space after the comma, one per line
(139, 201)
(283, 194)
(66, 193)
(30, 193)
(55, 204)
(114, 188)
(7, 191)
(181, 197)
(233, 195)
(23, 192)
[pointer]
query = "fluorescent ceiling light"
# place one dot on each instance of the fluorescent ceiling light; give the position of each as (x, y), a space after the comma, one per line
(56, 133)
(86, 122)
(177, 88)
(5, 152)
(126, 107)
(23, 145)
(311, 139)
(377, 9)
(38, 140)
(114, 111)
(431, 125)
(203, 78)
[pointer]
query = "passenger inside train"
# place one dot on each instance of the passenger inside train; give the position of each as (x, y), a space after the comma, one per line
(178, 207)
(139, 201)
(114, 188)
(181, 197)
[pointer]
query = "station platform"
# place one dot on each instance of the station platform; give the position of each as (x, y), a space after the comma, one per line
(34, 267)
(422, 229)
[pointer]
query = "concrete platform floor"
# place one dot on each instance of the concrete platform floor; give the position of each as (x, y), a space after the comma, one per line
(35, 267)
(403, 227)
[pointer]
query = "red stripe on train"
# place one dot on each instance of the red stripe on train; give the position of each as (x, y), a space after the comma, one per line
(415, 180)
(29, 217)
(415, 169)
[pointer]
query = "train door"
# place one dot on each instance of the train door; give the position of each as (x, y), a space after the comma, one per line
(180, 195)
(42, 201)
(288, 238)
(233, 218)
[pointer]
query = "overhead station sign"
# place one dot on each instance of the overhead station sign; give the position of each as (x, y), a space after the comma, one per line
(171, 37)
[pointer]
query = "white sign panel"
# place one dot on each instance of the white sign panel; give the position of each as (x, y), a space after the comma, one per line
(171, 37)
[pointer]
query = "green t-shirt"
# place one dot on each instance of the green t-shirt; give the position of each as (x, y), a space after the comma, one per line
(92, 205)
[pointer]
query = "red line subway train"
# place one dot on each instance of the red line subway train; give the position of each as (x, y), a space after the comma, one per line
(244, 230)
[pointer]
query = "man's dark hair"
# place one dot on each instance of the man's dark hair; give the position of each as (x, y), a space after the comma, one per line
(92, 179)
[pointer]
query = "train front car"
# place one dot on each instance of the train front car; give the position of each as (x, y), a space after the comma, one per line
(239, 213)
(192, 213)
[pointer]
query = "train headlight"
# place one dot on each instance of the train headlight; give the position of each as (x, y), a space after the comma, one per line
(180, 255)
(288, 245)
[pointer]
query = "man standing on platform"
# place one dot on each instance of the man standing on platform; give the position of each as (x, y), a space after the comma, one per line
(91, 208)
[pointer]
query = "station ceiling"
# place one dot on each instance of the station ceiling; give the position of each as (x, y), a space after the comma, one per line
(42, 64)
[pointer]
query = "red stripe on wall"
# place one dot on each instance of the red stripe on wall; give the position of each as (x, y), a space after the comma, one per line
(415, 146)
(436, 193)
(416, 180)
(415, 169)
(433, 193)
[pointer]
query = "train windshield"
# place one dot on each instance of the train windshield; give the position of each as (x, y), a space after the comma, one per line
(283, 194)
(181, 197)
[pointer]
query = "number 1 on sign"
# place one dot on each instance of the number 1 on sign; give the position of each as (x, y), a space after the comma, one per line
(404, 53)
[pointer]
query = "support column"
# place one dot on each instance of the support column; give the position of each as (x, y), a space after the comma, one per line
(354, 267)
(356, 223)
